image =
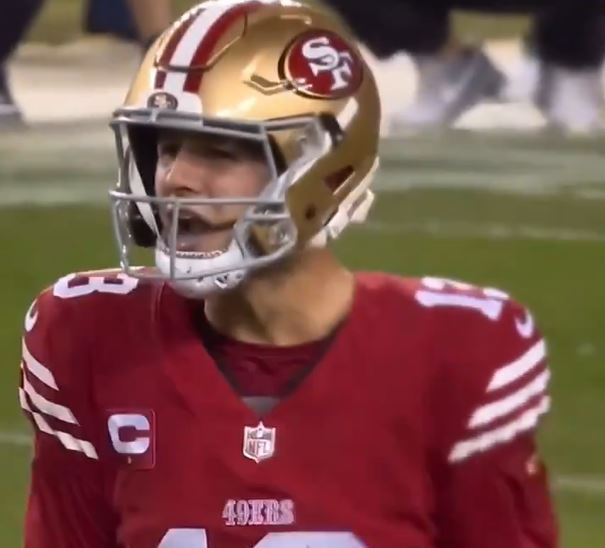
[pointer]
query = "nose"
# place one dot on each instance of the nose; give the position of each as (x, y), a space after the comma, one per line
(186, 175)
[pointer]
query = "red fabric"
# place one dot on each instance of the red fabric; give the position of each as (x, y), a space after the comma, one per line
(67, 507)
(364, 444)
(260, 370)
(500, 500)
(163, 63)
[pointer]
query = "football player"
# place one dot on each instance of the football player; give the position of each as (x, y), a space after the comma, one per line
(14, 23)
(249, 390)
(560, 70)
(152, 17)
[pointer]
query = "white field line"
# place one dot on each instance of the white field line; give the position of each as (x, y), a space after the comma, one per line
(15, 439)
(13, 196)
(62, 196)
(488, 231)
(572, 483)
(584, 484)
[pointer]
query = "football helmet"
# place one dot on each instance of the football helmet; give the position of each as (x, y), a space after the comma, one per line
(281, 73)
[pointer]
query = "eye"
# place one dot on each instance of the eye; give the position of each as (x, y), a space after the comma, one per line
(222, 153)
(168, 149)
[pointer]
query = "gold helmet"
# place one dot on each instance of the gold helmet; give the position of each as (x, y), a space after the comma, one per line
(283, 73)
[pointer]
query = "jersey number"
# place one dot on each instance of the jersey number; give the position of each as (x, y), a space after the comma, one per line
(196, 538)
(118, 284)
(451, 293)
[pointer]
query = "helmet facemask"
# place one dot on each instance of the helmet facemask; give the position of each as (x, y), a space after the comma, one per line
(262, 236)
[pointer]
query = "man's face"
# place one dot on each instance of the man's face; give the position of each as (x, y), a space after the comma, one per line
(207, 166)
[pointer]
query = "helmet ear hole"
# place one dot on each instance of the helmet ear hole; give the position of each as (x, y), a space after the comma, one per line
(331, 125)
(140, 217)
(143, 145)
(140, 231)
(278, 157)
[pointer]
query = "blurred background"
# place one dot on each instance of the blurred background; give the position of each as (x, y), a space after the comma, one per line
(492, 171)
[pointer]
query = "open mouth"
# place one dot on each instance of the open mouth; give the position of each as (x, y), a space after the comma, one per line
(195, 235)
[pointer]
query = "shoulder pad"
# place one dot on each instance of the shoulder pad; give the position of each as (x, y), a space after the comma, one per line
(55, 366)
(494, 358)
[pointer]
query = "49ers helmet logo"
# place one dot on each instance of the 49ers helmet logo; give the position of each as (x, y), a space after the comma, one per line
(321, 64)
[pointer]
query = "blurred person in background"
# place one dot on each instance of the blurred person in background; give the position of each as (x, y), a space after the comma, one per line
(152, 17)
(15, 21)
(139, 20)
(149, 18)
(561, 72)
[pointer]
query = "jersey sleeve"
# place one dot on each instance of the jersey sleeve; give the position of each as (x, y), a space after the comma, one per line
(493, 490)
(68, 503)
(505, 390)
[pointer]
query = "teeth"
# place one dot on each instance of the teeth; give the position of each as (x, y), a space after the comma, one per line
(191, 230)
(194, 254)
(210, 254)
(198, 254)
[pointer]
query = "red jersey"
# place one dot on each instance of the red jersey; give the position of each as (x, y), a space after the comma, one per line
(259, 370)
(414, 430)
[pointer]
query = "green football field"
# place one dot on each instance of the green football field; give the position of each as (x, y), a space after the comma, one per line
(526, 214)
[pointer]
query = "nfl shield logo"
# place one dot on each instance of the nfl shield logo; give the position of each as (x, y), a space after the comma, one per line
(259, 442)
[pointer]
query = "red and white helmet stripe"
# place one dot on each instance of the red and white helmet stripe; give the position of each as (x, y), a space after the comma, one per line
(193, 43)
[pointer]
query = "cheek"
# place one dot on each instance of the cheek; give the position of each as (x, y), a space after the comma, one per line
(240, 183)
(160, 178)
(254, 181)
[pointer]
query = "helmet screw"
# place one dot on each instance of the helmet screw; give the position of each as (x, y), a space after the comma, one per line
(310, 213)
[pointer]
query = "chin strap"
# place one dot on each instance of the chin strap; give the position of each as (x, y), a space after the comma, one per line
(201, 284)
